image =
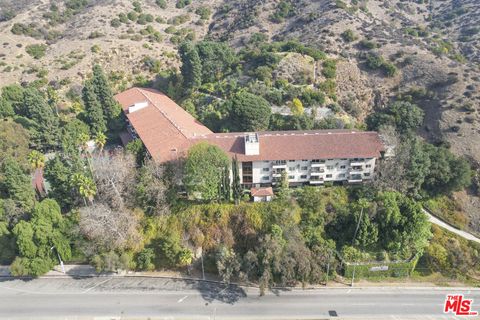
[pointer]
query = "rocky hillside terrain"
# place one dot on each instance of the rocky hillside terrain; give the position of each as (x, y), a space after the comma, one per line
(427, 50)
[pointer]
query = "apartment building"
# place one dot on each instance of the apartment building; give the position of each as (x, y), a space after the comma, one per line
(310, 157)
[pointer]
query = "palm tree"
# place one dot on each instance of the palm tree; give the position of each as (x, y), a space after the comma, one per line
(85, 186)
(100, 141)
(36, 159)
(82, 140)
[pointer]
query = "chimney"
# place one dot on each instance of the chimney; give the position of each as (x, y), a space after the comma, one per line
(252, 144)
(137, 106)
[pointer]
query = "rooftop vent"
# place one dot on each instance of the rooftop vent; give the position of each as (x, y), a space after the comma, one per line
(137, 106)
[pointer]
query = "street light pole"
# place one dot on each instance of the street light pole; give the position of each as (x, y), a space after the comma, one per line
(59, 259)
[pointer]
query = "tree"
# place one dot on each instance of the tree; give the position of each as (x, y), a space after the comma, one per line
(191, 66)
(14, 141)
(36, 239)
(58, 172)
(447, 173)
(36, 159)
(297, 107)
(111, 108)
(109, 229)
(403, 227)
(228, 265)
(203, 170)
(405, 116)
(100, 141)
(16, 184)
(6, 108)
(218, 59)
(226, 183)
(13, 95)
(151, 190)
(114, 178)
(236, 187)
(283, 191)
(93, 108)
(73, 134)
(45, 128)
(85, 186)
(248, 112)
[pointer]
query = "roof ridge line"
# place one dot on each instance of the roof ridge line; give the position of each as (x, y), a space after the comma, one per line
(163, 113)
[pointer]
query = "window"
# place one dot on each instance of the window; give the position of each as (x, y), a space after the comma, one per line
(291, 168)
(304, 168)
(266, 161)
(341, 175)
(342, 167)
(366, 174)
(344, 159)
(303, 176)
(329, 167)
(328, 176)
(305, 160)
(266, 178)
(330, 159)
(368, 166)
(266, 169)
(291, 177)
(291, 160)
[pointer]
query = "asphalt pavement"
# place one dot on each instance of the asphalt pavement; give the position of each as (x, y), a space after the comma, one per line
(152, 298)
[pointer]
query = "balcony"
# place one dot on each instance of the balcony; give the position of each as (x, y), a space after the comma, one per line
(247, 171)
(279, 164)
(355, 178)
(317, 164)
(357, 163)
(317, 170)
(316, 180)
(356, 168)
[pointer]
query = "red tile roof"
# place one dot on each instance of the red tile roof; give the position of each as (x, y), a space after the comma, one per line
(168, 131)
(163, 126)
(299, 145)
(261, 192)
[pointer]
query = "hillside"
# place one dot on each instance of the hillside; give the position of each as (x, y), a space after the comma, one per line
(427, 50)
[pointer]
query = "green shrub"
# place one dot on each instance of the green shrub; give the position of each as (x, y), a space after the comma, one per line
(367, 44)
(182, 3)
(37, 51)
(329, 69)
(348, 35)
(161, 3)
(203, 12)
(95, 34)
(115, 22)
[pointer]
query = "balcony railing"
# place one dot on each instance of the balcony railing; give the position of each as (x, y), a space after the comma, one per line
(317, 170)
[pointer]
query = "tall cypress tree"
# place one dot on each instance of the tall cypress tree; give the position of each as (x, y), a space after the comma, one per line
(93, 109)
(45, 126)
(191, 66)
(237, 187)
(111, 108)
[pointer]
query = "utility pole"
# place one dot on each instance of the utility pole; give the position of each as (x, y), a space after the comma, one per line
(353, 274)
(353, 241)
(203, 270)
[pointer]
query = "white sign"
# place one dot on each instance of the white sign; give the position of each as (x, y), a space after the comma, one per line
(379, 268)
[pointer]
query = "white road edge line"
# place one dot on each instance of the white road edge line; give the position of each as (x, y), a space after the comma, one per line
(182, 299)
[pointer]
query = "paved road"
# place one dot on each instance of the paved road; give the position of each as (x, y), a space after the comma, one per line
(444, 225)
(134, 298)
